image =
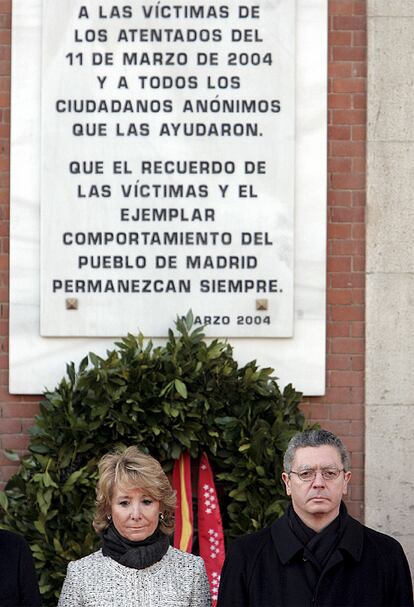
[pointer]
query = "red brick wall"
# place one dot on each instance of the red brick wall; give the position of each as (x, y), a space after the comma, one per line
(342, 408)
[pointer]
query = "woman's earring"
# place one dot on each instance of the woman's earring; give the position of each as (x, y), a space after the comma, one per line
(161, 516)
(109, 517)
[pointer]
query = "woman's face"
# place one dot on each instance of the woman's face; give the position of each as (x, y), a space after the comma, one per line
(135, 514)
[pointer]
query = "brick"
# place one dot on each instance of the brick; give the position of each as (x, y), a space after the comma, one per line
(357, 329)
(5, 461)
(349, 53)
(5, 22)
(357, 427)
(318, 410)
(358, 362)
(339, 7)
(16, 409)
(359, 198)
(357, 395)
(11, 426)
(27, 423)
(356, 509)
(353, 117)
(5, 7)
(356, 492)
(359, 69)
(346, 378)
(336, 38)
(339, 230)
(351, 181)
(349, 345)
(359, 100)
(358, 230)
(338, 395)
(354, 23)
(338, 362)
(342, 280)
(342, 428)
(348, 148)
(358, 296)
(340, 165)
(4, 261)
(359, 132)
(352, 215)
(357, 459)
(359, 166)
(356, 443)
(342, 133)
(338, 329)
(4, 67)
(4, 229)
(4, 164)
(339, 198)
(339, 263)
(339, 296)
(341, 70)
(347, 247)
(15, 441)
(348, 313)
(358, 264)
(4, 179)
(343, 101)
(6, 473)
(347, 411)
(359, 7)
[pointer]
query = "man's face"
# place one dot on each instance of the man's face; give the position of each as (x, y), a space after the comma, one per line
(316, 502)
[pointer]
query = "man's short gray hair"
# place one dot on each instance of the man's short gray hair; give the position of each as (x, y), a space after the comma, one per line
(314, 438)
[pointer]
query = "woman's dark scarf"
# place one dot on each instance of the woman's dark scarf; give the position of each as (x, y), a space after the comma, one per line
(137, 555)
(317, 547)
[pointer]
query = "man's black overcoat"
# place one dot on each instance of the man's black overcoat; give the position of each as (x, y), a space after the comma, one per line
(266, 569)
(18, 582)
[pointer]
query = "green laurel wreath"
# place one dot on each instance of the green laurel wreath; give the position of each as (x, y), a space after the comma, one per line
(188, 394)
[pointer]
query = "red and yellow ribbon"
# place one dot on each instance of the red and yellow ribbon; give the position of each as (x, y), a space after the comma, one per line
(183, 534)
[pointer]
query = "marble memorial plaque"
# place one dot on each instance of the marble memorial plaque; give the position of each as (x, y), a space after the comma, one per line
(167, 167)
(38, 362)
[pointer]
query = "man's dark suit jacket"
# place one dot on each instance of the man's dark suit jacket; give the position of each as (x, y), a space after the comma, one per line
(18, 582)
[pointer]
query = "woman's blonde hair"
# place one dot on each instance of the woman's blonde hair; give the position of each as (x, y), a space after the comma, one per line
(130, 468)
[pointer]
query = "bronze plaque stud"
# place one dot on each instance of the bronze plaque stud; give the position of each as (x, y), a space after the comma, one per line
(262, 304)
(71, 303)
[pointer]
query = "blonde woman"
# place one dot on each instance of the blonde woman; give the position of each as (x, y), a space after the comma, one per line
(136, 565)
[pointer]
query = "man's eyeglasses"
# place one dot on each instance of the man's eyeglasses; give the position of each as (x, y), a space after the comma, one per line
(309, 474)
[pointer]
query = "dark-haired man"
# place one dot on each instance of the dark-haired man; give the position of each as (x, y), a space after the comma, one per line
(316, 554)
